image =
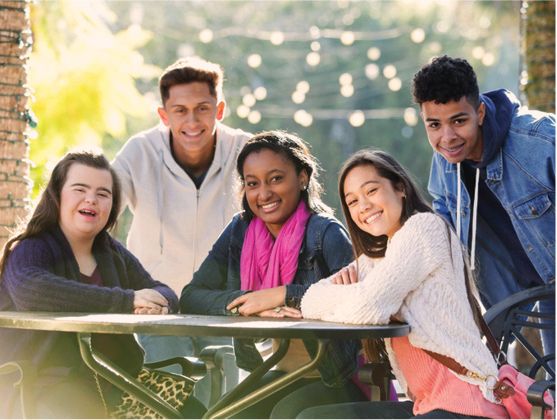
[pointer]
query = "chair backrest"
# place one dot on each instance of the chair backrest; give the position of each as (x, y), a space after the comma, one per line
(510, 318)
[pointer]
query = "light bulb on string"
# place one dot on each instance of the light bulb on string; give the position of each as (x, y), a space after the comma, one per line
(357, 118)
(254, 60)
(206, 36)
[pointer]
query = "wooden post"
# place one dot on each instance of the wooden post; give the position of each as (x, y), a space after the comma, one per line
(15, 46)
(539, 45)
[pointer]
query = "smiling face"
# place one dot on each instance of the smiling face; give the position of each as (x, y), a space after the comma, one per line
(85, 202)
(272, 187)
(454, 129)
(375, 205)
(191, 112)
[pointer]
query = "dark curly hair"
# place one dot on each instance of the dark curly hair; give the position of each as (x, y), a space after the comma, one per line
(444, 80)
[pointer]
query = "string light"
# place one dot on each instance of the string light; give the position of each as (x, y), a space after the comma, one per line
(260, 93)
(298, 97)
(277, 38)
(395, 84)
(389, 71)
(254, 60)
(417, 35)
(303, 118)
(373, 53)
(313, 58)
(242, 111)
(303, 86)
(347, 90)
(372, 71)
(254, 117)
(357, 118)
(206, 36)
(248, 100)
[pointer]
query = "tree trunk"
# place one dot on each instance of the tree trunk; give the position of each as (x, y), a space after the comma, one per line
(540, 55)
(15, 43)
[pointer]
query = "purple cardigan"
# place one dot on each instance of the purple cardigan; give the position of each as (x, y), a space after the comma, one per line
(42, 274)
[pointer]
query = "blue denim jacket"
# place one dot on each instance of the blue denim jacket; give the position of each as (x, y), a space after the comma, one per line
(326, 248)
(521, 175)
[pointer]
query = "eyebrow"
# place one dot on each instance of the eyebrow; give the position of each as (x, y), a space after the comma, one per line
(185, 106)
(371, 181)
(268, 173)
(452, 117)
(81, 184)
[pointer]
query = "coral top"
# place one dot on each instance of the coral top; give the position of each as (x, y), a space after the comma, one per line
(432, 385)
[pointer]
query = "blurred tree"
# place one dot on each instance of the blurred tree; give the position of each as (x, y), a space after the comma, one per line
(84, 78)
(15, 43)
(539, 45)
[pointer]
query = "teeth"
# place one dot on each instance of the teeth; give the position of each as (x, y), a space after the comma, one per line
(192, 134)
(373, 217)
(91, 213)
(268, 206)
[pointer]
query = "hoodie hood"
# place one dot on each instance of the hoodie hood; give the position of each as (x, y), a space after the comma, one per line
(500, 106)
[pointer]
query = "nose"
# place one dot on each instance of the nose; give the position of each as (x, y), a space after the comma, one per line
(265, 193)
(191, 117)
(448, 132)
(91, 198)
(364, 204)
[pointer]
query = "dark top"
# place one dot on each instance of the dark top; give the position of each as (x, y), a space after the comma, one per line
(42, 274)
(326, 248)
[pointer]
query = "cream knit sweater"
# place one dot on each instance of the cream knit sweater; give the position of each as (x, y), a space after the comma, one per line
(418, 283)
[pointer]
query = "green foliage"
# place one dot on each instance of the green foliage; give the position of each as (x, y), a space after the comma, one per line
(83, 76)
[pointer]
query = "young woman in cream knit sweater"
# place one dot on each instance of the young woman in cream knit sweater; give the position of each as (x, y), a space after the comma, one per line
(409, 267)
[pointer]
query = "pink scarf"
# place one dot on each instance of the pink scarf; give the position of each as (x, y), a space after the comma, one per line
(267, 263)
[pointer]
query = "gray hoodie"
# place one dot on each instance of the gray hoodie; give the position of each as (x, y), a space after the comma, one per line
(175, 224)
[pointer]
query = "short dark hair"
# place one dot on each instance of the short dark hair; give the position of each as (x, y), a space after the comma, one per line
(296, 151)
(190, 70)
(446, 79)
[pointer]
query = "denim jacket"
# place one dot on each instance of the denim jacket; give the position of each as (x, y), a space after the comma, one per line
(326, 249)
(521, 175)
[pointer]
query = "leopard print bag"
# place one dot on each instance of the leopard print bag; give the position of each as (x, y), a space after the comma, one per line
(173, 388)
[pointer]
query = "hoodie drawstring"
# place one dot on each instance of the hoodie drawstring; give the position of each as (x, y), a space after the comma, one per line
(474, 221)
(474, 213)
(458, 199)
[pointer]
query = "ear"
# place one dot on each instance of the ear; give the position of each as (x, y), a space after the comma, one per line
(220, 110)
(163, 116)
(304, 180)
(481, 113)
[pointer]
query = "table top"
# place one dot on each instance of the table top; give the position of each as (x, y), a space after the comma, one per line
(196, 325)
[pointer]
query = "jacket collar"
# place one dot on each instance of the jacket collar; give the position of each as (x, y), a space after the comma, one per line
(172, 165)
(494, 169)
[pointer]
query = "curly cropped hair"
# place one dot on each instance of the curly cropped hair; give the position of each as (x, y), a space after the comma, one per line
(444, 80)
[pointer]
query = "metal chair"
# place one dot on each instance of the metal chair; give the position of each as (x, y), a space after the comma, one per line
(509, 319)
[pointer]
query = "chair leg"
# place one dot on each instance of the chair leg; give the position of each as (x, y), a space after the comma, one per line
(24, 385)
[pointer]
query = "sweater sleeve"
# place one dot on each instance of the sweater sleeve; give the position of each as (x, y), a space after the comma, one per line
(139, 278)
(209, 292)
(414, 252)
(30, 282)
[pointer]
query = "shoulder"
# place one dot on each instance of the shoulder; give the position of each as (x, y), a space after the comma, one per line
(144, 142)
(532, 124)
(324, 228)
(233, 137)
(320, 222)
(34, 249)
(422, 225)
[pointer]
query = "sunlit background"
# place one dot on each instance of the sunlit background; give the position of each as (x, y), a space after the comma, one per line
(336, 72)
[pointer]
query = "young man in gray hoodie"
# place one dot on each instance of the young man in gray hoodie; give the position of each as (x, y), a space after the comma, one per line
(178, 179)
(492, 177)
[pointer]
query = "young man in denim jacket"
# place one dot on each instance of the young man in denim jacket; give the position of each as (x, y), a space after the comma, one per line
(492, 177)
